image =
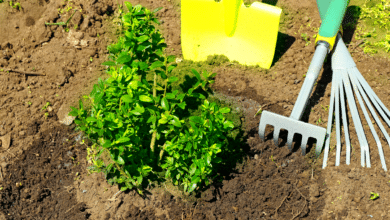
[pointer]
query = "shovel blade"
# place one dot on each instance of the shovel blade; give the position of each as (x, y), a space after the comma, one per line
(293, 126)
(254, 39)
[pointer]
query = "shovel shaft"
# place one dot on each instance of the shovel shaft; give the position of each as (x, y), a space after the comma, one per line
(311, 77)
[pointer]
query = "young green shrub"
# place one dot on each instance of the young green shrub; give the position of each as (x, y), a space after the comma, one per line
(144, 127)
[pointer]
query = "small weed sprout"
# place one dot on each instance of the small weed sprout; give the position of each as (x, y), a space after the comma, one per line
(319, 121)
(45, 106)
(374, 195)
(306, 39)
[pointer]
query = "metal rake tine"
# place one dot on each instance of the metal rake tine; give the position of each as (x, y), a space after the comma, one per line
(367, 117)
(365, 158)
(345, 124)
(276, 135)
(290, 137)
(262, 131)
(374, 97)
(303, 144)
(337, 119)
(330, 118)
(376, 104)
(360, 92)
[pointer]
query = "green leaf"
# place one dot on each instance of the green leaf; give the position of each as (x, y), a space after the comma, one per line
(122, 140)
(212, 75)
(205, 75)
(195, 179)
(165, 104)
(192, 169)
(143, 66)
(109, 63)
(182, 105)
(156, 64)
(126, 99)
(120, 160)
(106, 144)
(81, 107)
(175, 121)
(170, 68)
(173, 79)
(145, 98)
(129, 6)
(181, 96)
(192, 187)
(91, 119)
(170, 96)
(228, 124)
(208, 159)
(162, 121)
(224, 110)
(198, 95)
(143, 38)
(197, 75)
(74, 111)
(196, 119)
(171, 58)
(123, 58)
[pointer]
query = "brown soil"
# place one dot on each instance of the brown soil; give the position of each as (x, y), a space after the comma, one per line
(272, 183)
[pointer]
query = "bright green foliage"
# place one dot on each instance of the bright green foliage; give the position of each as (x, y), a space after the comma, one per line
(379, 12)
(375, 24)
(144, 126)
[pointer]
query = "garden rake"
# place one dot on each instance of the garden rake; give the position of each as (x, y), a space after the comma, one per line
(324, 44)
(347, 78)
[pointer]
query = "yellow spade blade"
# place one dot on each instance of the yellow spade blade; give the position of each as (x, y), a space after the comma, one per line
(254, 39)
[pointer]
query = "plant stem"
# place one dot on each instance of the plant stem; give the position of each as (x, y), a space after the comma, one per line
(153, 141)
(162, 152)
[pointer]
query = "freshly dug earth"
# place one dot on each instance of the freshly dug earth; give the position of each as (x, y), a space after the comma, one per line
(39, 183)
(272, 183)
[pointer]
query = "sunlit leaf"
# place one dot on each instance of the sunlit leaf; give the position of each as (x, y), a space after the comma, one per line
(145, 98)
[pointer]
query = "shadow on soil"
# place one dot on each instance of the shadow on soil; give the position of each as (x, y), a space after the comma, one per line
(283, 43)
(270, 2)
(350, 22)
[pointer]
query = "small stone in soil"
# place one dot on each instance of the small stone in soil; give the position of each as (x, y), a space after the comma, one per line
(5, 141)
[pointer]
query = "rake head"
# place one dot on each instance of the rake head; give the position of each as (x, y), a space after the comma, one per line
(347, 79)
(293, 127)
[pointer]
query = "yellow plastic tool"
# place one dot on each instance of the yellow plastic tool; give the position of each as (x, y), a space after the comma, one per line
(245, 34)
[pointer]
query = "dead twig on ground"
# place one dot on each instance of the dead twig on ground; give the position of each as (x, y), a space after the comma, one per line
(71, 208)
(306, 201)
(299, 212)
(276, 210)
(261, 109)
(114, 196)
(25, 73)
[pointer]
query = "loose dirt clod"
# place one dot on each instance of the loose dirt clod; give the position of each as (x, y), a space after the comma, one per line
(5, 141)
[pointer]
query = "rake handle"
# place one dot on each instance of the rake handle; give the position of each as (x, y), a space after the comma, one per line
(311, 77)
